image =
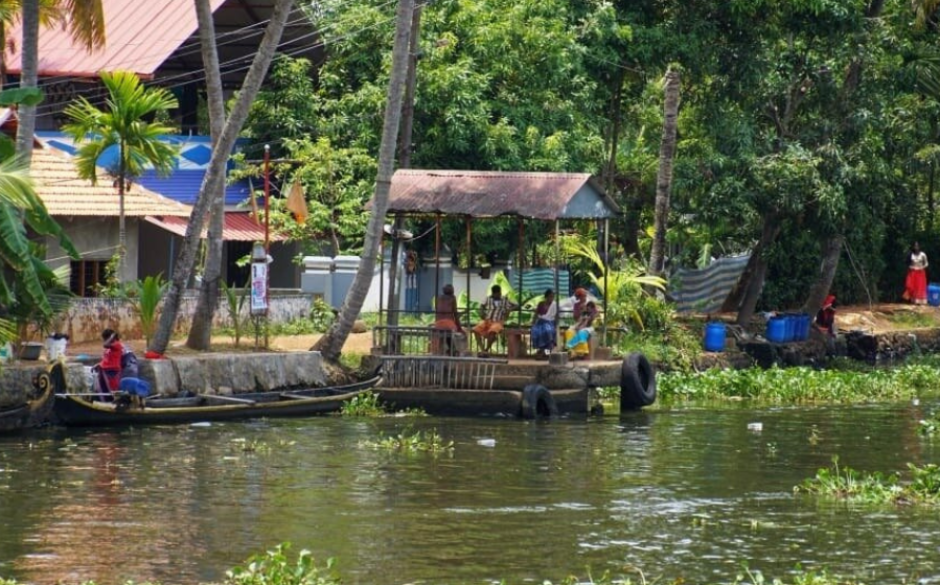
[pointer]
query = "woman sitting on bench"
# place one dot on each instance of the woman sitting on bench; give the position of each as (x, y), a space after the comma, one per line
(577, 338)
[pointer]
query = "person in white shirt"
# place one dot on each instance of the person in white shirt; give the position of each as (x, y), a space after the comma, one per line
(544, 332)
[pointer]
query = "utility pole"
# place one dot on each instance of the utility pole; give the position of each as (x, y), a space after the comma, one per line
(404, 161)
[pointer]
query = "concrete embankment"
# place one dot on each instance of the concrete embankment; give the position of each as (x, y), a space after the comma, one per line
(209, 373)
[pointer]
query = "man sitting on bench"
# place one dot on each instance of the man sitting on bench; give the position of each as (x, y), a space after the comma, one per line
(494, 311)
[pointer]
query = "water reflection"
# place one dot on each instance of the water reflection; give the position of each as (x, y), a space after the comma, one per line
(680, 493)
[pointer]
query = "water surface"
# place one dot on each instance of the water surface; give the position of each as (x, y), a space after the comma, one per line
(681, 493)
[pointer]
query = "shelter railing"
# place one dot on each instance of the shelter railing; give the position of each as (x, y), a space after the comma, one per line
(439, 372)
(417, 340)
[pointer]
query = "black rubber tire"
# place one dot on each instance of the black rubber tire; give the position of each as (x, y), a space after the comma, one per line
(637, 382)
(538, 402)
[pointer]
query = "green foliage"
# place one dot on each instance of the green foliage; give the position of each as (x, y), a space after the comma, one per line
(321, 315)
(124, 125)
(800, 385)
(365, 404)
(276, 568)
(409, 441)
(234, 304)
(145, 297)
(875, 488)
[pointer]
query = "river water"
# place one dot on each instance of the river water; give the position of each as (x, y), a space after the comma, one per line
(681, 493)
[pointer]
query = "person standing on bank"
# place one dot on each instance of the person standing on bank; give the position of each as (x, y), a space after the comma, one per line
(915, 285)
(447, 321)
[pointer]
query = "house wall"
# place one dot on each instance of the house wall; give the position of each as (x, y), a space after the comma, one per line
(86, 317)
(96, 238)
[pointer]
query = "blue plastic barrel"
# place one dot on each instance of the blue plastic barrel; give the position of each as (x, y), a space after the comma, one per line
(776, 330)
(715, 336)
(791, 327)
(805, 322)
(933, 294)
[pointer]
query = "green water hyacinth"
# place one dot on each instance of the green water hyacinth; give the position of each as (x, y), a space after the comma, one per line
(800, 385)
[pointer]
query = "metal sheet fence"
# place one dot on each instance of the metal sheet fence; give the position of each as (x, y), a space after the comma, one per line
(432, 372)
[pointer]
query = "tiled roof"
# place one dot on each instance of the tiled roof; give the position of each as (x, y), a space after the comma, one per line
(239, 227)
(65, 194)
(183, 184)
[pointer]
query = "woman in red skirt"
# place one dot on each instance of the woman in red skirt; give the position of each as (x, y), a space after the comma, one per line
(915, 286)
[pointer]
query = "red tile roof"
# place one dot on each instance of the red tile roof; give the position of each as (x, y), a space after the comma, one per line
(141, 35)
(239, 227)
(65, 194)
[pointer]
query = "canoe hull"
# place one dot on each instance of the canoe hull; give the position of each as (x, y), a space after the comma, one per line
(73, 410)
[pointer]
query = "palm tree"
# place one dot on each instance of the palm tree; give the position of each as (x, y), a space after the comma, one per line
(331, 344)
(200, 334)
(186, 259)
(84, 20)
(667, 152)
(123, 124)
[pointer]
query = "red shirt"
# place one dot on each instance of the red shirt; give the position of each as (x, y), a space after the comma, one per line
(112, 356)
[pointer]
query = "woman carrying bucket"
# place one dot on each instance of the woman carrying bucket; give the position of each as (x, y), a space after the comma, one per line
(915, 285)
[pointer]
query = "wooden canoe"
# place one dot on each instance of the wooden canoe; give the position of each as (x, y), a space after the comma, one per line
(82, 410)
(34, 411)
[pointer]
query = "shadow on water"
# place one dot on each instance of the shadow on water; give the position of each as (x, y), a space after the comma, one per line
(681, 493)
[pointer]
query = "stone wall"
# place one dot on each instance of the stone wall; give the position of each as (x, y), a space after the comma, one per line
(86, 317)
(207, 373)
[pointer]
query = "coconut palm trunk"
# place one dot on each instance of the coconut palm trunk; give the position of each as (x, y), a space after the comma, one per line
(215, 175)
(200, 335)
(331, 344)
(667, 153)
(29, 77)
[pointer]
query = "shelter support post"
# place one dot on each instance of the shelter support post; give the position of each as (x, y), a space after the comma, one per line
(437, 256)
(393, 303)
(521, 261)
(381, 277)
(606, 272)
(557, 268)
(469, 262)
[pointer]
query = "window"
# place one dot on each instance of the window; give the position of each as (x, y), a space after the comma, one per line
(86, 276)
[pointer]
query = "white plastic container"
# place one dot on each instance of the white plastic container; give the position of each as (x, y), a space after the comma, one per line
(56, 348)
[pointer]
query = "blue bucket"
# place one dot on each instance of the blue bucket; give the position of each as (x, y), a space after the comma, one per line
(715, 334)
(777, 330)
(933, 294)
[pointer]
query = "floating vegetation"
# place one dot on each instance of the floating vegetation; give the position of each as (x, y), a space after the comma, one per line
(800, 385)
(275, 568)
(845, 483)
(930, 426)
(365, 404)
(369, 404)
(416, 441)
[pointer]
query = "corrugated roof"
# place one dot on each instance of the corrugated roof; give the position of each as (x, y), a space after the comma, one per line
(146, 35)
(140, 36)
(544, 196)
(66, 194)
(239, 227)
(183, 186)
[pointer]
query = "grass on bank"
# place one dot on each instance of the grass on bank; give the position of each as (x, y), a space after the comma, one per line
(800, 385)
(276, 567)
